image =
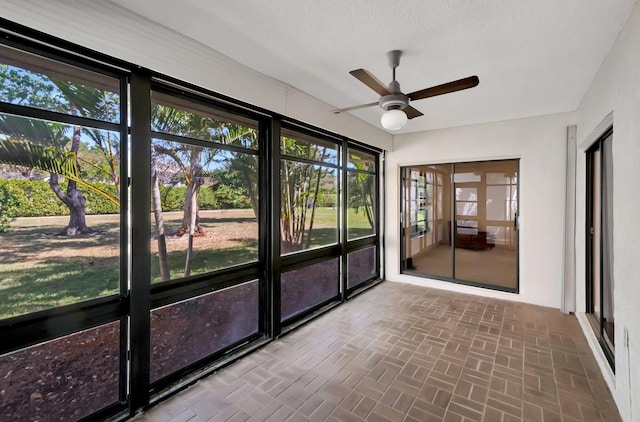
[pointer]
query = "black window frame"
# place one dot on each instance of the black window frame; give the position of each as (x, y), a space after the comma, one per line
(303, 258)
(48, 324)
(596, 322)
(185, 288)
(360, 243)
(131, 307)
(404, 266)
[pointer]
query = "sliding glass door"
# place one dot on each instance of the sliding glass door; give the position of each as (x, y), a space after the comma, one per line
(600, 242)
(460, 222)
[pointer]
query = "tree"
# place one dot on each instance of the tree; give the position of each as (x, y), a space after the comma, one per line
(159, 221)
(39, 144)
(361, 186)
(243, 167)
(40, 94)
(15, 150)
(72, 198)
(35, 90)
(229, 188)
(300, 187)
(361, 195)
(104, 105)
(189, 158)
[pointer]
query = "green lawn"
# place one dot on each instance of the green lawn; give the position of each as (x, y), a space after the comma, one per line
(40, 270)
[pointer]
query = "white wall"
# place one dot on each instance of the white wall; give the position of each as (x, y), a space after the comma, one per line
(113, 30)
(540, 143)
(616, 89)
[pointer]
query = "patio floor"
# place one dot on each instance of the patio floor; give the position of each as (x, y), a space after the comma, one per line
(406, 353)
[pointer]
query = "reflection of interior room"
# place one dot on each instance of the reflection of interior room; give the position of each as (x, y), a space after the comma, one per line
(480, 218)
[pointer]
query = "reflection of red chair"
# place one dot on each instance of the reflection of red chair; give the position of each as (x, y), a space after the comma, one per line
(471, 238)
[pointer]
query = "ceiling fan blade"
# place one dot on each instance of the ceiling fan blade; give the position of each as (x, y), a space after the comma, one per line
(412, 112)
(371, 81)
(342, 110)
(453, 86)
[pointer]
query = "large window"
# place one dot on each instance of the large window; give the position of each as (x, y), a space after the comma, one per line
(309, 220)
(328, 221)
(59, 184)
(309, 192)
(204, 175)
(460, 222)
(361, 194)
(151, 230)
(62, 166)
(205, 202)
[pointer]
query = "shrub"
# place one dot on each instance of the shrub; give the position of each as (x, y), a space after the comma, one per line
(36, 199)
(172, 198)
(98, 204)
(8, 208)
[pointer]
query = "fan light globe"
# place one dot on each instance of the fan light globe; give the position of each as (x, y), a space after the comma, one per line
(393, 119)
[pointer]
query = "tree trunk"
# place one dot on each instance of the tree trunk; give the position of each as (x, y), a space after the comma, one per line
(287, 212)
(313, 210)
(192, 226)
(195, 180)
(368, 207)
(252, 190)
(111, 156)
(157, 212)
(73, 198)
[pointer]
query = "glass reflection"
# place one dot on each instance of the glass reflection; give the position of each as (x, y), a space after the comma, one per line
(485, 238)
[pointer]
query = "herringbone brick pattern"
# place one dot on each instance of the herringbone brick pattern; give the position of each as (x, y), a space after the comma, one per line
(405, 353)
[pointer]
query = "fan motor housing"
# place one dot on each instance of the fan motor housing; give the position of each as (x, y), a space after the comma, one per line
(394, 101)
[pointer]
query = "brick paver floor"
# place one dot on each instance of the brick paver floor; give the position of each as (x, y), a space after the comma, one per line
(405, 353)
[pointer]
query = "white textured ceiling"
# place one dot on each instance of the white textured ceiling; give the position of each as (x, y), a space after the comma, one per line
(533, 57)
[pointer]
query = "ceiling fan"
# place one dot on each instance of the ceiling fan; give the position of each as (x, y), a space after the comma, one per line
(394, 102)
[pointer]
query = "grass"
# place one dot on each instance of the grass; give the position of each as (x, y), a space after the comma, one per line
(41, 270)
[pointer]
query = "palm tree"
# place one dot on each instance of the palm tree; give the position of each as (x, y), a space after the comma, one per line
(33, 143)
(41, 145)
(104, 105)
(189, 158)
(245, 164)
